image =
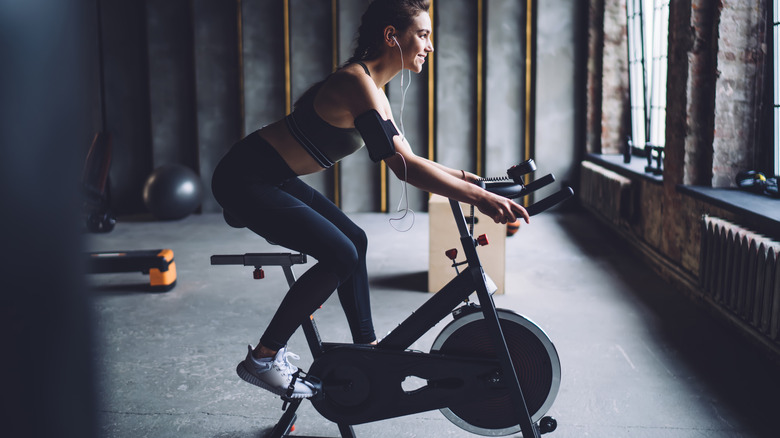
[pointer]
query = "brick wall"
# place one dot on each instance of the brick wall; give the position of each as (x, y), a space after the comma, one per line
(740, 58)
(608, 106)
(700, 92)
(717, 57)
(594, 69)
(717, 52)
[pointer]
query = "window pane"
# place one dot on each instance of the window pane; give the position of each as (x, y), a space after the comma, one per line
(776, 55)
(660, 25)
(636, 62)
(648, 30)
(777, 137)
(777, 12)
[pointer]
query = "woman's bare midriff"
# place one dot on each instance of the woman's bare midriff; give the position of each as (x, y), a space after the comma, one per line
(278, 135)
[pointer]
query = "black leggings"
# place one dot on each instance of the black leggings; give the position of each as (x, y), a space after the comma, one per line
(253, 184)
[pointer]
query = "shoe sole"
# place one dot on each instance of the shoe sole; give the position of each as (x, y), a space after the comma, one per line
(248, 377)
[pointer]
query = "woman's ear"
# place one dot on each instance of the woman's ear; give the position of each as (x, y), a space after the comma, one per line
(389, 36)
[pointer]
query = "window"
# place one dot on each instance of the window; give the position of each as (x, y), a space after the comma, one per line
(636, 73)
(648, 27)
(776, 83)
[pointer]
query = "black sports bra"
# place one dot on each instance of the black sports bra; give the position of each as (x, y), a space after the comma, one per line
(326, 143)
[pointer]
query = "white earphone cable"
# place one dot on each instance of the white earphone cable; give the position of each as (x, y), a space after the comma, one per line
(403, 89)
(406, 210)
(404, 190)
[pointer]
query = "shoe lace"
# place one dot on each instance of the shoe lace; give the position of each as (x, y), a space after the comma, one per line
(284, 365)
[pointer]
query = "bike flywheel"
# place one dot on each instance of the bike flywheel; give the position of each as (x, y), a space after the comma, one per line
(535, 360)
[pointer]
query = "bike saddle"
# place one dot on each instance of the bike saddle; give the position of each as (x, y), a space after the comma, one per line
(236, 223)
(232, 220)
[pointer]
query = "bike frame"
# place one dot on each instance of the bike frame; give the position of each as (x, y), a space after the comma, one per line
(442, 303)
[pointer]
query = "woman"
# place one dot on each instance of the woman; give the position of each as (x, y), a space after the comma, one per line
(257, 182)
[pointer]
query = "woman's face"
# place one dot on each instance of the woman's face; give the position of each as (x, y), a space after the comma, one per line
(416, 42)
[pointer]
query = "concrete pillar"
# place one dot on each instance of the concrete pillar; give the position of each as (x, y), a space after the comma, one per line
(505, 120)
(171, 83)
(217, 86)
(359, 178)
(263, 62)
(126, 101)
(311, 50)
(456, 80)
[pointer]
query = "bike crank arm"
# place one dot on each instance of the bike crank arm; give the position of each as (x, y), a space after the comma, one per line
(352, 376)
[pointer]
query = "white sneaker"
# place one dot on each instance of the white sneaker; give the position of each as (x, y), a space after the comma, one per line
(274, 374)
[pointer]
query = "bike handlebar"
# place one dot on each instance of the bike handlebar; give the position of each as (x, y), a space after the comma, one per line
(517, 189)
(550, 201)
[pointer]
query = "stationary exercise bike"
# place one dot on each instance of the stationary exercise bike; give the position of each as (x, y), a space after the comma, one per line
(490, 371)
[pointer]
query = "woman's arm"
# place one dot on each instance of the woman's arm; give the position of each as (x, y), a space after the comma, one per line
(462, 174)
(435, 178)
(359, 95)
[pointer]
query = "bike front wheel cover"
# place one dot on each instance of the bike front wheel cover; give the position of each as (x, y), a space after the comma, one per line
(535, 361)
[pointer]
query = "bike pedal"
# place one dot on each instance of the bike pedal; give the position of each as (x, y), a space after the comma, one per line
(317, 384)
(287, 398)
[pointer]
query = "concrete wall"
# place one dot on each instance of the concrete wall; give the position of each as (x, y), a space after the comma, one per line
(558, 87)
(185, 79)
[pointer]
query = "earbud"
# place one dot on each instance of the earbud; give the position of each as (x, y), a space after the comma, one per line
(393, 37)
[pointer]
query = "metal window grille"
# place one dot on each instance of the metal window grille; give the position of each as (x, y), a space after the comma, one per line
(648, 29)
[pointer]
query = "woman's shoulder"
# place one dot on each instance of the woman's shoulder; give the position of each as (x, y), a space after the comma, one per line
(350, 91)
(350, 83)
(351, 75)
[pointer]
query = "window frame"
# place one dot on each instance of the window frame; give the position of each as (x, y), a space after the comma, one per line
(774, 16)
(648, 117)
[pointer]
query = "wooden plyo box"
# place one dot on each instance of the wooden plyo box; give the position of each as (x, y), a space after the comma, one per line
(443, 235)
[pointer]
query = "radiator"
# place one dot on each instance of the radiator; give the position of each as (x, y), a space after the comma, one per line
(605, 193)
(740, 271)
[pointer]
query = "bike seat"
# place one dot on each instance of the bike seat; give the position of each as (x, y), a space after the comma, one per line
(232, 220)
(236, 223)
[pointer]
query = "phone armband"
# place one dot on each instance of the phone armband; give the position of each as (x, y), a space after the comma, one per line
(378, 135)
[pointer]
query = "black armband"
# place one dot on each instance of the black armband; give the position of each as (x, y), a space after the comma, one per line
(378, 135)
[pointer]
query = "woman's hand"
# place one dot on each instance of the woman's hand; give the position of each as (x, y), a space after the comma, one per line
(501, 209)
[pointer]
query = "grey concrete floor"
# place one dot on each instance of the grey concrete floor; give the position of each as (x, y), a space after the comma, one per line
(638, 359)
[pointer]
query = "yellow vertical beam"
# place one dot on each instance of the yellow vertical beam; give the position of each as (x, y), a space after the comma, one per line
(480, 88)
(529, 38)
(240, 38)
(334, 25)
(383, 188)
(287, 59)
(530, 34)
(431, 96)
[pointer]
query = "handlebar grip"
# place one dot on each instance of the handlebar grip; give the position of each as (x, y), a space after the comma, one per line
(539, 183)
(506, 189)
(511, 190)
(554, 199)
